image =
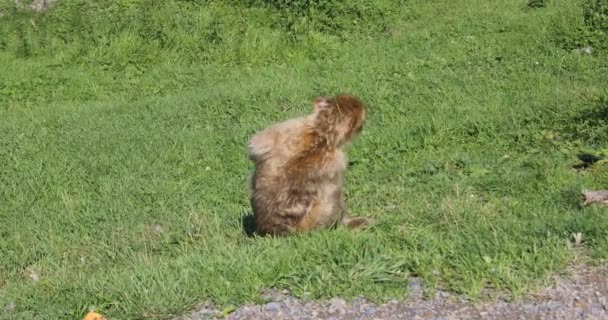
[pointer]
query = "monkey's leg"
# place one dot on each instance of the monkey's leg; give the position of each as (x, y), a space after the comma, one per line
(273, 227)
(291, 220)
(310, 218)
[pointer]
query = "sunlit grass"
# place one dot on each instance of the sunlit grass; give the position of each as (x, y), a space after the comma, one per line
(123, 168)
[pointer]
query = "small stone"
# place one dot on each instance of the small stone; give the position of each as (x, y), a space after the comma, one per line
(10, 307)
(577, 238)
(360, 299)
(585, 50)
(370, 311)
(33, 275)
(158, 228)
(391, 207)
(273, 306)
(272, 295)
(415, 281)
(337, 305)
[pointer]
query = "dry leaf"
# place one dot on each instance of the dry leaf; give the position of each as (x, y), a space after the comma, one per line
(93, 316)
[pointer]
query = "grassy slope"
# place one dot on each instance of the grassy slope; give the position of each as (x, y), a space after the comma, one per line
(123, 169)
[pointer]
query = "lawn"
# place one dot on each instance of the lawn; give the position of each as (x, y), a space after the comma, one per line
(124, 124)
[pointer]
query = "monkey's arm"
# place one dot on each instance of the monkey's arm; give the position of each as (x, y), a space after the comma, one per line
(261, 144)
(276, 139)
(343, 207)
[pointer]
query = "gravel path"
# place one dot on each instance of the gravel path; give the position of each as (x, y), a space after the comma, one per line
(584, 295)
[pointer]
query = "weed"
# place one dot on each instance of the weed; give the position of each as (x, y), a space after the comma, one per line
(593, 32)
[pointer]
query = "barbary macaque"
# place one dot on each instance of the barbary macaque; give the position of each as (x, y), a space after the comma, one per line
(300, 164)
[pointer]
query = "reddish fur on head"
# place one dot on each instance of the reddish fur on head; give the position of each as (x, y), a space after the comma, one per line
(334, 122)
(338, 119)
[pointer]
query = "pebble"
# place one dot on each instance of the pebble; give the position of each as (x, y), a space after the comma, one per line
(370, 311)
(273, 306)
(586, 50)
(10, 307)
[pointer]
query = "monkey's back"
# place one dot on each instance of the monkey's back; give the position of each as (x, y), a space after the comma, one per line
(291, 196)
(279, 204)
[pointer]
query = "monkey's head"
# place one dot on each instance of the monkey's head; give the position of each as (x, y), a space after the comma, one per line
(338, 119)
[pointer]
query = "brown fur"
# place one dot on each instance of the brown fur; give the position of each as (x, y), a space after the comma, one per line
(298, 182)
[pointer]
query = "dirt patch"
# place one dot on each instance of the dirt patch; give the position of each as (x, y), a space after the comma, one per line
(583, 295)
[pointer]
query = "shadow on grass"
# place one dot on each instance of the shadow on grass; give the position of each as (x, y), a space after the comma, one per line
(571, 198)
(248, 224)
(590, 125)
(597, 115)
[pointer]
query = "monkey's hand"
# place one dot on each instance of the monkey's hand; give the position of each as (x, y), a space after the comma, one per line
(353, 223)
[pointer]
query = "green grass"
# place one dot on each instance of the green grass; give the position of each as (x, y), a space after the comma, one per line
(123, 168)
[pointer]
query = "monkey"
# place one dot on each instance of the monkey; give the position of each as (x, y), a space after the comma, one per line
(300, 164)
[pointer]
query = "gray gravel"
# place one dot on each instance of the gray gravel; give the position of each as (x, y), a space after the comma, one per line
(584, 295)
